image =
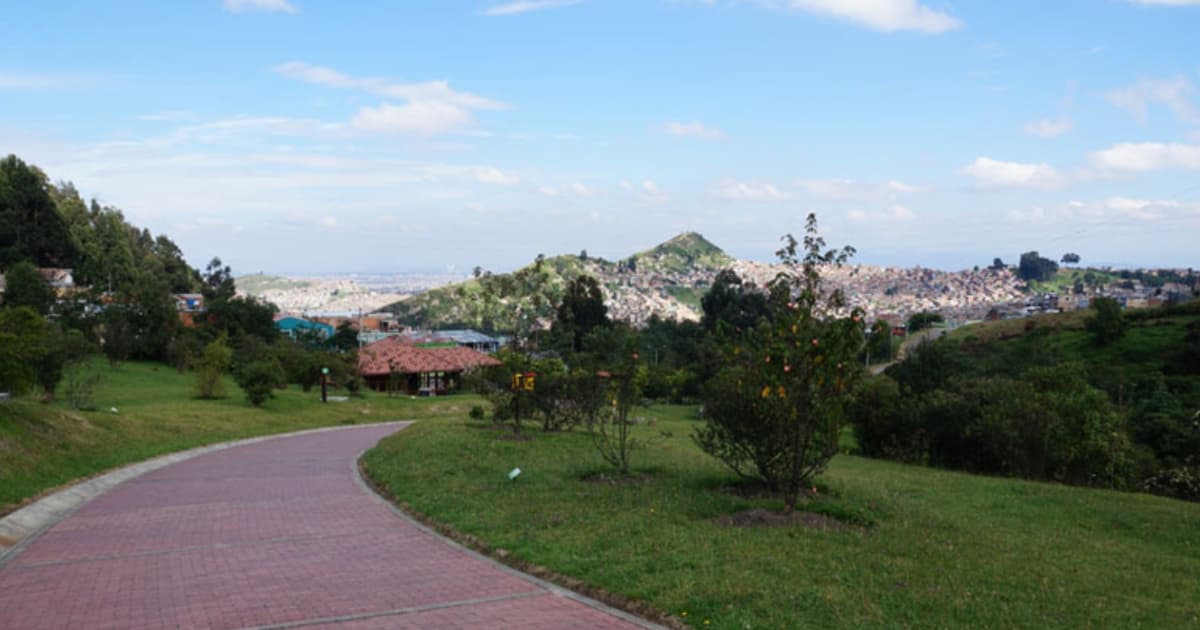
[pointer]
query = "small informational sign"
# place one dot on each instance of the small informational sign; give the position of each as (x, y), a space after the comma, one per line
(530, 381)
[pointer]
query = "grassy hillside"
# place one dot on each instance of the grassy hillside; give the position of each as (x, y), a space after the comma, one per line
(684, 252)
(920, 547)
(1145, 351)
(44, 446)
(1064, 280)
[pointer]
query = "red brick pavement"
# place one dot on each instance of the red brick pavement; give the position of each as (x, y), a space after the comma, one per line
(276, 533)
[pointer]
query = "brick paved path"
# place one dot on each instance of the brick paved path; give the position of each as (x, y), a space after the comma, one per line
(277, 533)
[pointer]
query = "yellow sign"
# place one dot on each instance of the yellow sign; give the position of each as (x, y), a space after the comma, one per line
(529, 381)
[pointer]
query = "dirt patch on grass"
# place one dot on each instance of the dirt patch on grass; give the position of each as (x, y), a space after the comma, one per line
(759, 517)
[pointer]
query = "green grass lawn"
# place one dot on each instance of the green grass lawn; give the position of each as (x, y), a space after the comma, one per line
(46, 445)
(929, 548)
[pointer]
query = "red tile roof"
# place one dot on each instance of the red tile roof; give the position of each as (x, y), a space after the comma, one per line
(402, 356)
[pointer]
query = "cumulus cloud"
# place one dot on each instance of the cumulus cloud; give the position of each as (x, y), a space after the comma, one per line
(1147, 156)
(693, 130)
(1174, 93)
(526, 6)
(1047, 128)
(749, 191)
(882, 15)
(263, 6)
(430, 107)
(990, 173)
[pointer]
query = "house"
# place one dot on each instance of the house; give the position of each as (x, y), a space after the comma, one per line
(189, 302)
(466, 338)
(398, 364)
(295, 326)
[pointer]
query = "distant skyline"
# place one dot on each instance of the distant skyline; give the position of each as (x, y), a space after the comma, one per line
(297, 136)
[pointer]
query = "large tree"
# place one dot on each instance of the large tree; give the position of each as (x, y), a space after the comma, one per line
(31, 227)
(581, 310)
(1035, 267)
(737, 304)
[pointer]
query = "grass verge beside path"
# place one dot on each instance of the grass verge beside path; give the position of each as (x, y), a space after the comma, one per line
(45, 446)
(930, 548)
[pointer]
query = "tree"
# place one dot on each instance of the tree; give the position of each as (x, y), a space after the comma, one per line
(923, 320)
(582, 310)
(345, 338)
(211, 368)
(1108, 323)
(739, 305)
(1034, 267)
(27, 287)
(31, 228)
(24, 342)
(218, 284)
(776, 412)
(1070, 259)
(879, 340)
(612, 430)
(998, 264)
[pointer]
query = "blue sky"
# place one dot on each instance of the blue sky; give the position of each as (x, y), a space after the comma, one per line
(305, 136)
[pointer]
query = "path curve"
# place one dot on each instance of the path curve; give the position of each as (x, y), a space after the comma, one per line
(279, 533)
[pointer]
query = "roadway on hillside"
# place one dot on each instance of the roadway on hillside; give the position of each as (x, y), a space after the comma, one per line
(280, 533)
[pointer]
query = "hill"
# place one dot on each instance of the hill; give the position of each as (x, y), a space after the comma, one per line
(665, 280)
(1046, 398)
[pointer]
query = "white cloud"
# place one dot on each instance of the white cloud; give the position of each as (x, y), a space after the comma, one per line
(749, 191)
(574, 189)
(45, 81)
(265, 6)
(694, 130)
(425, 118)
(849, 189)
(895, 213)
(991, 173)
(526, 6)
(496, 177)
(1107, 212)
(329, 222)
(1147, 156)
(1047, 128)
(882, 15)
(1175, 93)
(432, 107)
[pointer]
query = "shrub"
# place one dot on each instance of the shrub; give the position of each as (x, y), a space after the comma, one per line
(259, 380)
(211, 367)
(776, 413)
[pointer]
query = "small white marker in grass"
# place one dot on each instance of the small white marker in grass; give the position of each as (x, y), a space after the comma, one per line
(512, 474)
